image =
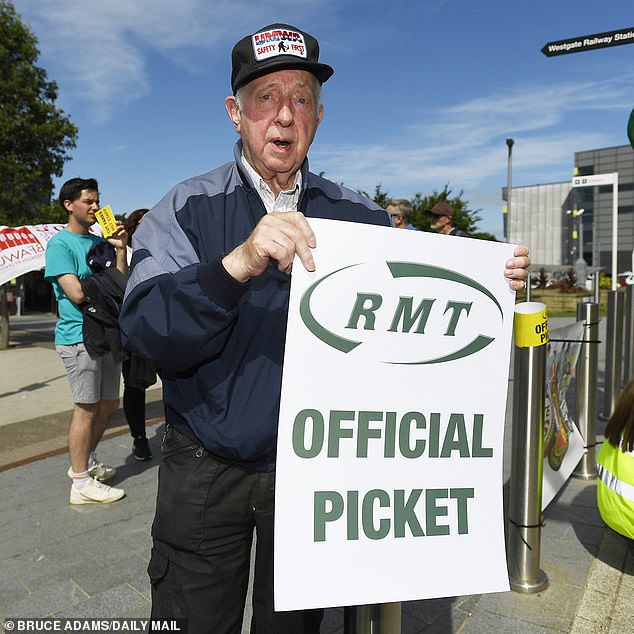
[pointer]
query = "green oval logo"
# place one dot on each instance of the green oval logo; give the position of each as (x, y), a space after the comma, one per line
(428, 317)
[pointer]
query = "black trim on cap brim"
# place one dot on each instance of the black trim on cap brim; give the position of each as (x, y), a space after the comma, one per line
(323, 72)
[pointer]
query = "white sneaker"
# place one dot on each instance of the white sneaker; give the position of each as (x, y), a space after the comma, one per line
(95, 493)
(99, 471)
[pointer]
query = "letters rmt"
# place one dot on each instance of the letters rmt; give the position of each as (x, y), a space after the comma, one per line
(367, 304)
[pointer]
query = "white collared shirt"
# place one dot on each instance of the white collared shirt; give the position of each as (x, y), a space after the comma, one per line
(285, 201)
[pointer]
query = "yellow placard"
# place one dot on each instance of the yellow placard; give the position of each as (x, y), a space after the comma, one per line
(106, 221)
(530, 326)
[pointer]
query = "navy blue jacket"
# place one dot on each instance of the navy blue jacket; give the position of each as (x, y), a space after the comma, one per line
(219, 343)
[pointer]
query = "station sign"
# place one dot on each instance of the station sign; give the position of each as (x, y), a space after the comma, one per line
(589, 42)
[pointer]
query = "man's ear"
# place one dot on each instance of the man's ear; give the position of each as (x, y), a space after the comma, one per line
(68, 206)
(231, 106)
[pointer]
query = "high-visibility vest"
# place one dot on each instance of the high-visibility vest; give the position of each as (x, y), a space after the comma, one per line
(615, 488)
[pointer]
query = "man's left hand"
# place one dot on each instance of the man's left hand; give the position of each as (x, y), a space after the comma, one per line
(516, 269)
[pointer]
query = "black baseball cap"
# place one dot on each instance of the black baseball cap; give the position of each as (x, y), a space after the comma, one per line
(276, 47)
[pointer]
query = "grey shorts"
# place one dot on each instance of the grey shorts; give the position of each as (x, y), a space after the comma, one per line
(91, 380)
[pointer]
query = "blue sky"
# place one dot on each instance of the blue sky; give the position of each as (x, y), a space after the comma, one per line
(424, 93)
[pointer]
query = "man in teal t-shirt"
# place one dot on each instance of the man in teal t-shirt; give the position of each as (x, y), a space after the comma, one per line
(94, 383)
(66, 253)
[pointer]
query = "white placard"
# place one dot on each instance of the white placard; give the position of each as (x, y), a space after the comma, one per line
(389, 466)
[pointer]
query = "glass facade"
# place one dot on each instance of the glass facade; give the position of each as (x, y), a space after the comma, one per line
(598, 239)
(536, 220)
(560, 223)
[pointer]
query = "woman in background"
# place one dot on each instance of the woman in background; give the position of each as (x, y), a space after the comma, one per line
(138, 374)
(615, 467)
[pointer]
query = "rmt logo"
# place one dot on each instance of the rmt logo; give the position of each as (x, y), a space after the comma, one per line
(424, 314)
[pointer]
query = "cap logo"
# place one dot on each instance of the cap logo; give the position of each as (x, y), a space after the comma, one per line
(267, 44)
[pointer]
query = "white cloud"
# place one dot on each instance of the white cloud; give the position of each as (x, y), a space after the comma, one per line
(98, 50)
(463, 144)
(102, 53)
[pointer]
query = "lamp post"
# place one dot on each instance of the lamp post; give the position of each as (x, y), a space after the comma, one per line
(509, 143)
(581, 268)
(570, 227)
(579, 213)
(577, 232)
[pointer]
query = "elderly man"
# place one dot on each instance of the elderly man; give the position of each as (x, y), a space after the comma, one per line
(207, 302)
(441, 215)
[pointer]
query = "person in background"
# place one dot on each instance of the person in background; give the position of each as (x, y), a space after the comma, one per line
(402, 213)
(94, 383)
(138, 374)
(615, 467)
(442, 220)
(207, 301)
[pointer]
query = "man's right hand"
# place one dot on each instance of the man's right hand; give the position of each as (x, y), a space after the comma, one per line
(278, 237)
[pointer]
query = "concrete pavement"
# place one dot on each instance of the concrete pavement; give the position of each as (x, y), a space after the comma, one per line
(90, 561)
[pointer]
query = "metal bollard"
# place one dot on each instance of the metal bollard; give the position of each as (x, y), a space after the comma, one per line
(527, 460)
(586, 388)
(613, 352)
(628, 350)
(596, 287)
(381, 618)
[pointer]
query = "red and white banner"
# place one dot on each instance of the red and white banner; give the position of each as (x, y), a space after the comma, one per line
(22, 249)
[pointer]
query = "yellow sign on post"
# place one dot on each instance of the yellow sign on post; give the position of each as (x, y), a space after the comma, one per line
(106, 221)
(530, 326)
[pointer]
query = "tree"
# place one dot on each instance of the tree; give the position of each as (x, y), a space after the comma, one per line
(35, 135)
(380, 197)
(464, 218)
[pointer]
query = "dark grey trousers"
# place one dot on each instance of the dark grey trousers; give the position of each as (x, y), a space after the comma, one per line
(203, 529)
